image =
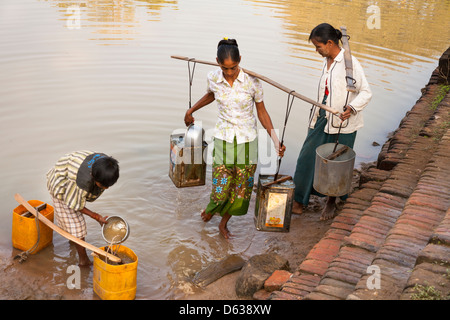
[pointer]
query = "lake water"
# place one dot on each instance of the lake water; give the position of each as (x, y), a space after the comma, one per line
(98, 75)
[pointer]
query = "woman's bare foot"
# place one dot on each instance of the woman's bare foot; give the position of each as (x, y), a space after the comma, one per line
(329, 211)
(223, 229)
(297, 207)
(225, 232)
(206, 216)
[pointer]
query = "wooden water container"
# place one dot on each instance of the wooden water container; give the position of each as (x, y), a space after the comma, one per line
(273, 204)
(187, 166)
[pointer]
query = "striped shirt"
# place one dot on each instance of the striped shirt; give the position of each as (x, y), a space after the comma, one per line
(62, 181)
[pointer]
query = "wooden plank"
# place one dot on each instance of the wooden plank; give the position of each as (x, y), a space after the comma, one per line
(65, 234)
(285, 178)
(338, 153)
(269, 81)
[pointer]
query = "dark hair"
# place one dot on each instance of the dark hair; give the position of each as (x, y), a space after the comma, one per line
(228, 48)
(324, 32)
(106, 171)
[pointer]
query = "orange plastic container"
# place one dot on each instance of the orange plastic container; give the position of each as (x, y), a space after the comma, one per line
(116, 282)
(24, 231)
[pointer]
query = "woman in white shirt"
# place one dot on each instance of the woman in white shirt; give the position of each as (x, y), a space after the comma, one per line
(235, 153)
(324, 127)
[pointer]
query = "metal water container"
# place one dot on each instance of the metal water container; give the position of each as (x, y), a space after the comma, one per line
(273, 204)
(187, 162)
(333, 177)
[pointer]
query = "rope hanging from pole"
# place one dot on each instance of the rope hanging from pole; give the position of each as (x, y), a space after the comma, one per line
(191, 78)
(24, 254)
(290, 101)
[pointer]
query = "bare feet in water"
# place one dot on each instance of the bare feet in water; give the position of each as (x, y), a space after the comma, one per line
(297, 208)
(329, 211)
(223, 229)
(206, 216)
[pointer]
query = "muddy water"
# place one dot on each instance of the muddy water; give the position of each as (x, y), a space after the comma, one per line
(98, 75)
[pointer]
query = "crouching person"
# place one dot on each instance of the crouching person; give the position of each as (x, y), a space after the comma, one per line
(77, 178)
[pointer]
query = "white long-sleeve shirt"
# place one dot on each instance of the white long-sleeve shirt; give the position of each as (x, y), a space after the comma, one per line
(337, 86)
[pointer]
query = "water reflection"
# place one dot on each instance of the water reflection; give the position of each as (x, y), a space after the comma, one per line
(115, 21)
(408, 29)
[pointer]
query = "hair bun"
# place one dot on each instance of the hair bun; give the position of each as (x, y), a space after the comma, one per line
(338, 33)
(227, 41)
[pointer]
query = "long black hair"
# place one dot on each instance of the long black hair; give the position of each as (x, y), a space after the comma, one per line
(228, 48)
(324, 32)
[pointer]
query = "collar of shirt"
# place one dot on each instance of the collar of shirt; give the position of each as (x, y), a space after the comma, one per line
(340, 56)
(240, 77)
(236, 118)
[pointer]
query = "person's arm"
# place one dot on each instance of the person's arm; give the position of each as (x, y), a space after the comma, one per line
(266, 122)
(99, 218)
(204, 101)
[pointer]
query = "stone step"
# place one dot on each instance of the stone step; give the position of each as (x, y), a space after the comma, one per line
(309, 273)
(384, 229)
(395, 148)
(422, 219)
(336, 265)
(432, 265)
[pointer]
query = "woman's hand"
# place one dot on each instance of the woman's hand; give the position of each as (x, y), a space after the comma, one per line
(281, 150)
(188, 118)
(346, 114)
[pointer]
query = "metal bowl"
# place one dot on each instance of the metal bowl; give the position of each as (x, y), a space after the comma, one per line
(116, 230)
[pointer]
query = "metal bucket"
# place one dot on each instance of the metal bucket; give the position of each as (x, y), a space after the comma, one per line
(333, 177)
(187, 166)
(273, 205)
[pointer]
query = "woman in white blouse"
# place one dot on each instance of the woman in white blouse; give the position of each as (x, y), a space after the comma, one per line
(324, 127)
(235, 140)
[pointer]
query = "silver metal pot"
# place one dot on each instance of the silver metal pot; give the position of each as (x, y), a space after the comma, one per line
(333, 177)
(194, 136)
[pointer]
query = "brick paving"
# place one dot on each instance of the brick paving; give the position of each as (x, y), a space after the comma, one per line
(397, 221)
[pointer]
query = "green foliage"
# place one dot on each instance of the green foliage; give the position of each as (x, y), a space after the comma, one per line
(443, 90)
(427, 293)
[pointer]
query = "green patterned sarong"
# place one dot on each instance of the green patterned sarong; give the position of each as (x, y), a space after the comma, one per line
(232, 177)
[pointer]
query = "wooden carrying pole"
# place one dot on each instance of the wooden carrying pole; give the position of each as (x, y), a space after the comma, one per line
(348, 60)
(269, 81)
(65, 234)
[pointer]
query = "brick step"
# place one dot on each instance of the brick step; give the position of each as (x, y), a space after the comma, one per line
(395, 148)
(360, 247)
(313, 267)
(433, 262)
(407, 243)
(336, 264)
(396, 227)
